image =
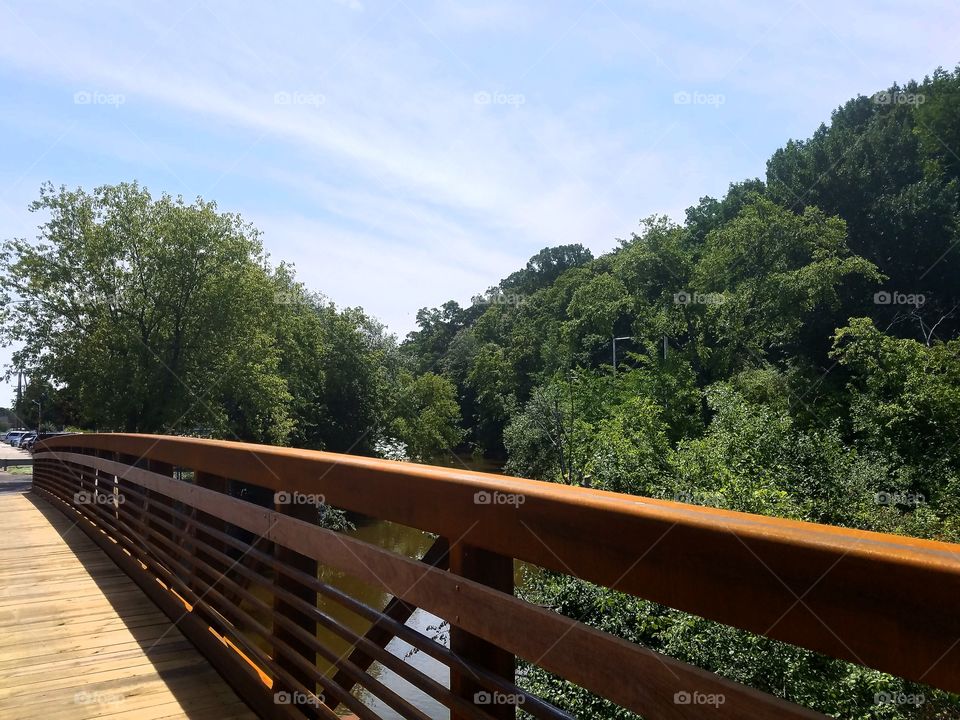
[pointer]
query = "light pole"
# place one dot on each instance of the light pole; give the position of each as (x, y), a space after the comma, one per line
(614, 340)
(39, 415)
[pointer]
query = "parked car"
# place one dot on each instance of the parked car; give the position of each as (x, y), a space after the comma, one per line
(14, 437)
(21, 437)
(29, 443)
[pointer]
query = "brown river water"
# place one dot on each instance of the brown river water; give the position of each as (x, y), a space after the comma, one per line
(410, 543)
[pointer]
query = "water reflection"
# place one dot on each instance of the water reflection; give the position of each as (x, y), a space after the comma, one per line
(411, 543)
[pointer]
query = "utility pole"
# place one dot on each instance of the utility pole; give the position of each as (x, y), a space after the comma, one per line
(39, 416)
(17, 405)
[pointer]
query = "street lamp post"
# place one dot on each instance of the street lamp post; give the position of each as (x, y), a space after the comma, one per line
(39, 415)
(623, 337)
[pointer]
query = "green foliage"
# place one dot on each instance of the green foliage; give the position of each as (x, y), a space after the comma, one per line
(151, 315)
(771, 271)
(906, 394)
(887, 165)
(426, 415)
(545, 267)
(905, 406)
(165, 300)
(590, 430)
(742, 382)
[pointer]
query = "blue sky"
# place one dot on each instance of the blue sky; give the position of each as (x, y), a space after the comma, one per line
(402, 153)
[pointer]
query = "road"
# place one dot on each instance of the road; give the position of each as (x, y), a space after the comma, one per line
(10, 456)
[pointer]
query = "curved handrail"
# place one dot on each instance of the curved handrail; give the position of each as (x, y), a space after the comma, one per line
(879, 600)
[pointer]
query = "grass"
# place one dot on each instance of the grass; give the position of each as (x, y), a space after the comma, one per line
(20, 470)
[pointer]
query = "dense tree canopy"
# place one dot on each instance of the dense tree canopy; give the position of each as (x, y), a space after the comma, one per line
(154, 315)
(790, 349)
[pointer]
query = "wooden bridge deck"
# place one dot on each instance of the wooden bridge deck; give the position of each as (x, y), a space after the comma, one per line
(79, 639)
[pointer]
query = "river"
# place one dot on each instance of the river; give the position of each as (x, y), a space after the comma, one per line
(412, 543)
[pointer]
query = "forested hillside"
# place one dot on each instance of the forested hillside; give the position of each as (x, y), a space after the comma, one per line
(790, 349)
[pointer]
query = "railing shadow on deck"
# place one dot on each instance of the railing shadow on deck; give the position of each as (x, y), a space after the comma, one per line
(883, 601)
(158, 643)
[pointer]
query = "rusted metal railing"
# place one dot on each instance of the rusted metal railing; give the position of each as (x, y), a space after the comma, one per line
(243, 580)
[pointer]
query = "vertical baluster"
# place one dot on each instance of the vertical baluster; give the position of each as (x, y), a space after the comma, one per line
(496, 571)
(220, 485)
(285, 556)
(159, 503)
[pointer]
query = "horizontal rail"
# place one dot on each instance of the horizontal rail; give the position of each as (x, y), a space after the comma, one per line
(882, 601)
(15, 462)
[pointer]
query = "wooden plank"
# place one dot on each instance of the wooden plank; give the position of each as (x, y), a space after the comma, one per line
(71, 621)
(62, 661)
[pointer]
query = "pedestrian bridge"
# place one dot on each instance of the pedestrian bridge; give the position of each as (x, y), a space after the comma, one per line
(154, 576)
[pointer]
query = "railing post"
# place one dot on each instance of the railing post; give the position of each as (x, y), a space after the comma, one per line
(159, 503)
(200, 538)
(108, 485)
(289, 558)
(87, 476)
(495, 571)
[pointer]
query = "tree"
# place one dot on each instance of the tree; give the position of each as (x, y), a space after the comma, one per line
(43, 405)
(772, 282)
(426, 415)
(157, 315)
(545, 267)
(887, 165)
(905, 405)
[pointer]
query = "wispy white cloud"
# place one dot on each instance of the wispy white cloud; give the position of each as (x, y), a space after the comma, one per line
(403, 153)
